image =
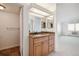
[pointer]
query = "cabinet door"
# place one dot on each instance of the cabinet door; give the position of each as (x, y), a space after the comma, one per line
(38, 49)
(45, 47)
(51, 48)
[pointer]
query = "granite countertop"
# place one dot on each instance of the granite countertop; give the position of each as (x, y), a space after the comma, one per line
(41, 34)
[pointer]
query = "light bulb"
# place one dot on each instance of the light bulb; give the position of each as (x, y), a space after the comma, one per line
(1, 7)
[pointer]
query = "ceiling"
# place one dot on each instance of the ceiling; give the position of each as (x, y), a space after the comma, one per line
(43, 9)
(11, 7)
(49, 6)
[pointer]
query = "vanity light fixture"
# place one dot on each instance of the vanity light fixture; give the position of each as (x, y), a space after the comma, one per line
(2, 7)
(39, 11)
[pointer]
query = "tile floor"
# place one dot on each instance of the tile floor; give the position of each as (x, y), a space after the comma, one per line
(67, 46)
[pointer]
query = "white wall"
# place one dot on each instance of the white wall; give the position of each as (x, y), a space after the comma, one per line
(9, 30)
(25, 28)
(31, 21)
(66, 13)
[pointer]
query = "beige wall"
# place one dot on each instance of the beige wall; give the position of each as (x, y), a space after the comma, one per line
(9, 30)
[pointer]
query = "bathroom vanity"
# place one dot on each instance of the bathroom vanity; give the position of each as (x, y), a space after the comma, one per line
(41, 44)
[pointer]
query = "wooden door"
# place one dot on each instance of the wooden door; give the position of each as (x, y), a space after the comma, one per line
(38, 49)
(45, 47)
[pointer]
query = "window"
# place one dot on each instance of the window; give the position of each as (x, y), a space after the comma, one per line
(71, 27)
(77, 27)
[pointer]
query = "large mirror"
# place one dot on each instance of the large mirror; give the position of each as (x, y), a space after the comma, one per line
(43, 25)
(49, 24)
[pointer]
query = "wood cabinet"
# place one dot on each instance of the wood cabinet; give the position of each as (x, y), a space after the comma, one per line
(38, 49)
(41, 45)
(45, 47)
(51, 44)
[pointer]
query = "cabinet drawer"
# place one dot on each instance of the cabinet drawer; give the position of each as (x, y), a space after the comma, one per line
(51, 42)
(51, 37)
(36, 40)
(37, 44)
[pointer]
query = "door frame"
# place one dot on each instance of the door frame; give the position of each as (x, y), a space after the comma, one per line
(21, 26)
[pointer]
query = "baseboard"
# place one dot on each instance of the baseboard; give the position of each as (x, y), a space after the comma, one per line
(9, 47)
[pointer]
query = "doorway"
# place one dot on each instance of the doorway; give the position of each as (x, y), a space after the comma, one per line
(10, 30)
